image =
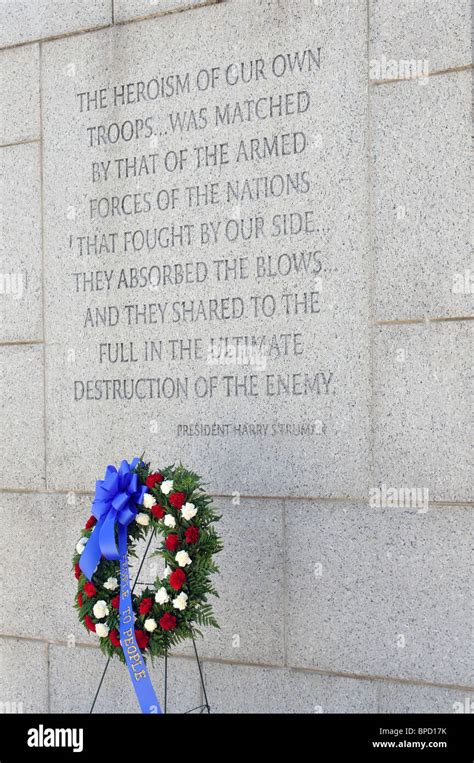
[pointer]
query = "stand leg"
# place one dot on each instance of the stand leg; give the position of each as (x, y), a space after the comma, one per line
(206, 703)
(98, 688)
(166, 681)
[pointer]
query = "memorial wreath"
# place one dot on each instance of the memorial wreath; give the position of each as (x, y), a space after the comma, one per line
(129, 503)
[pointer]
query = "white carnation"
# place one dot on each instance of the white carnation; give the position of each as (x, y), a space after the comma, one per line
(100, 609)
(189, 511)
(143, 519)
(150, 624)
(183, 558)
(166, 487)
(180, 601)
(167, 571)
(111, 584)
(148, 501)
(169, 520)
(161, 596)
(80, 545)
(102, 630)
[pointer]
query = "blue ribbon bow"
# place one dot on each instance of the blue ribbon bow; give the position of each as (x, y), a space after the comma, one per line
(115, 504)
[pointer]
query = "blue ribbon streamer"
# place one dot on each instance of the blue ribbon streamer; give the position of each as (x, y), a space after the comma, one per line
(115, 504)
(136, 665)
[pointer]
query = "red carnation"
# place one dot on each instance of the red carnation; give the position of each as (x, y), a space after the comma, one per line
(177, 579)
(168, 621)
(114, 637)
(158, 511)
(79, 599)
(153, 479)
(89, 623)
(192, 534)
(172, 542)
(177, 499)
(142, 639)
(90, 590)
(77, 571)
(91, 522)
(116, 602)
(145, 606)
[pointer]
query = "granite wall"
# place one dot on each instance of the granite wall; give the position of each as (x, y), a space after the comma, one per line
(346, 579)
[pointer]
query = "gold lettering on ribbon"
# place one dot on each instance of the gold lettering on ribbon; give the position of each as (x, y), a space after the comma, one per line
(133, 653)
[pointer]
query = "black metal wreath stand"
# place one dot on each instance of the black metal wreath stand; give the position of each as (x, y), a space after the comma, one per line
(205, 707)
